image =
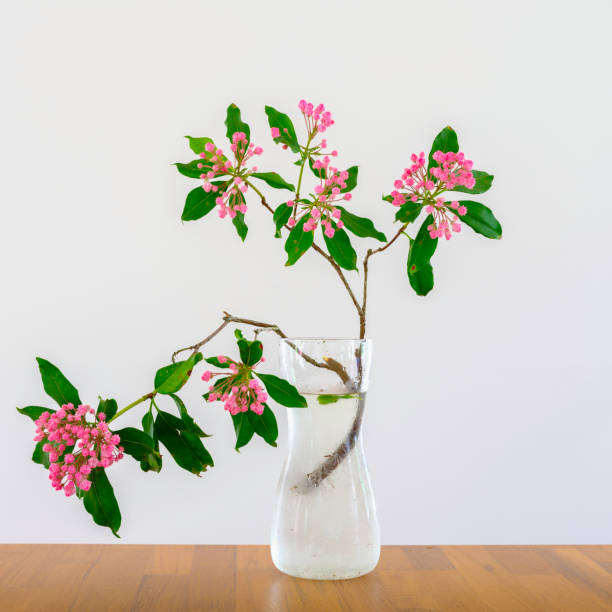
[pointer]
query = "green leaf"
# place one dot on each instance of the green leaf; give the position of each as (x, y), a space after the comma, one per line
(185, 447)
(281, 216)
(320, 173)
(265, 425)
(34, 412)
(250, 351)
(483, 183)
(39, 456)
(215, 361)
(351, 181)
(153, 461)
(408, 212)
(421, 280)
(274, 180)
(298, 241)
(332, 399)
(136, 443)
(198, 145)
(282, 391)
(240, 225)
(423, 246)
(191, 169)
(56, 385)
(234, 123)
(108, 407)
(171, 378)
(100, 501)
(199, 202)
(481, 219)
(360, 226)
(187, 419)
(285, 126)
(341, 249)
(445, 141)
(243, 428)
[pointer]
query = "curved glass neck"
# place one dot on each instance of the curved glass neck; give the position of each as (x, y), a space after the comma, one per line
(326, 365)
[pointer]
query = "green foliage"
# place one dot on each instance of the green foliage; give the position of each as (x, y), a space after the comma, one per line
(481, 219)
(39, 456)
(108, 407)
(34, 412)
(298, 241)
(341, 249)
(250, 351)
(185, 447)
(187, 419)
(274, 180)
(351, 181)
(320, 173)
(265, 425)
(234, 123)
(199, 202)
(56, 385)
(332, 399)
(243, 428)
(191, 169)
(100, 501)
(280, 217)
(285, 126)
(171, 378)
(446, 141)
(360, 226)
(282, 391)
(422, 248)
(136, 443)
(408, 212)
(153, 461)
(198, 145)
(241, 227)
(483, 183)
(215, 361)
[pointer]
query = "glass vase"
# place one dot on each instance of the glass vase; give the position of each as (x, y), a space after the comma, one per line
(325, 525)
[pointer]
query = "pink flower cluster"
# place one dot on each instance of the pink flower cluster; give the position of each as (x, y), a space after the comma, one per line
(317, 118)
(90, 445)
(238, 392)
(231, 200)
(417, 185)
(444, 220)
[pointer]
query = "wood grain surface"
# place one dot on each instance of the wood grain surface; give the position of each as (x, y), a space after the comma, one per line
(419, 578)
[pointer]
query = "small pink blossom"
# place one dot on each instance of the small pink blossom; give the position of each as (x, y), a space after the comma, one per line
(275, 132)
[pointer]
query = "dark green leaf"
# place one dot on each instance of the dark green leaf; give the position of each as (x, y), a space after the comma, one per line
(274, 180)
(445, 141)
(136, 443)
(171, 378)
(250, 351)
(421, 280)
(240, 225)
(351, 181)
(188, 421)
(215, 361)
(265, 425)
(234, 123)
(332, 399)
(191, 169)
(408, 212)
(423, 247)
(360, 226)
(341, 249)
(281, 391)
(100, 501)
(39, 456)
(286, 129)
(281, 216)
(108, 407)
(199, 202)
(481, 219)
(185, 447)
(243, 428)
(483, 183)
(197, 145)
(298, 241)
(56, 385)
(34, 412)
(153, 461)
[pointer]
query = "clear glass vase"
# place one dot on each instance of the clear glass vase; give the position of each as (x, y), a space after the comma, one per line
(325, 525)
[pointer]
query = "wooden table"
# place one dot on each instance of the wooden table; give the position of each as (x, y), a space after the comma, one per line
(123, 577)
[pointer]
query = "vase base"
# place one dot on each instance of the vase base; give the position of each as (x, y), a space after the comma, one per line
(323, 573)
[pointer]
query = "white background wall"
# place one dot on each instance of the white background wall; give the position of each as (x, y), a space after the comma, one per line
(489, 413)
